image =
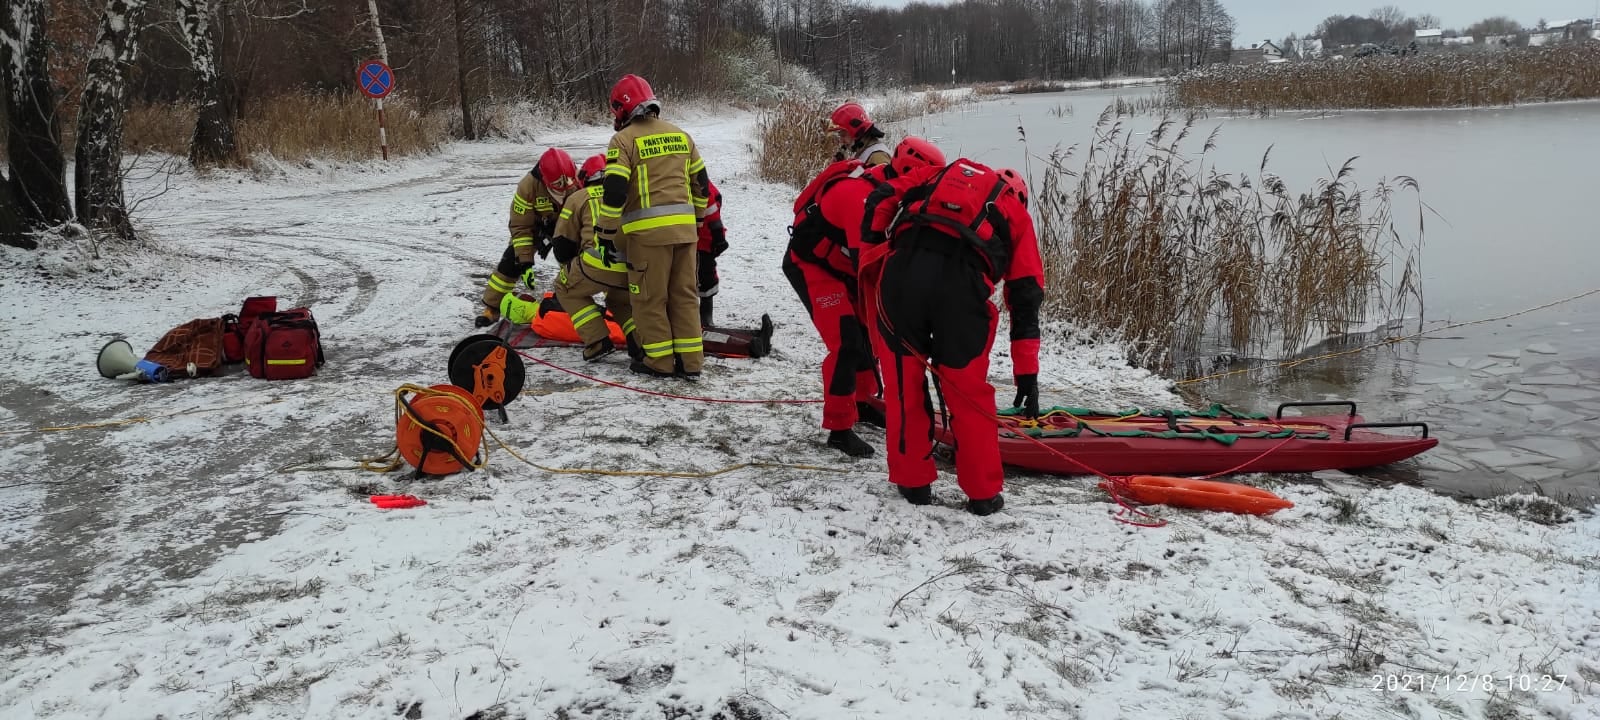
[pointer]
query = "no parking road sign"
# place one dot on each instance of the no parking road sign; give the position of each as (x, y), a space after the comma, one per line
(377, 81)
(375, 78)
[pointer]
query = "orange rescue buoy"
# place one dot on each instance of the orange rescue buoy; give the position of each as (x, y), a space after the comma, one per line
(1198, 494)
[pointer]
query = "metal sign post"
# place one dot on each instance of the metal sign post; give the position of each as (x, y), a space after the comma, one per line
(377, 81)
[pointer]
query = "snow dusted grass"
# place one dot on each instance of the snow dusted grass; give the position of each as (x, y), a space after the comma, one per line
(1568, 71)
(175, 572)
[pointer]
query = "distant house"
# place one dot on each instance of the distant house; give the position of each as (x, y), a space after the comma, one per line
(1561, 31)
(1462, 40)
(1430, 36)
(1500, 40)
(1262, 53)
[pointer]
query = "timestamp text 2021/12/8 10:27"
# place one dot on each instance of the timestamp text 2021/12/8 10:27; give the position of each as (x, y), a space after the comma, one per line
(1509, 682)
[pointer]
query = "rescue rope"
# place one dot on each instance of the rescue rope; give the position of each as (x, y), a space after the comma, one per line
(674, 396)
(136, 420)
(1388, 341)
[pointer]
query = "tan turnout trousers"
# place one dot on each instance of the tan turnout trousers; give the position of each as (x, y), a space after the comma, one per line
(666, 305)
(575, 289)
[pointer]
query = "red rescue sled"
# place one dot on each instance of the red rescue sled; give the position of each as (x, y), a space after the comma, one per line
(1184, 442)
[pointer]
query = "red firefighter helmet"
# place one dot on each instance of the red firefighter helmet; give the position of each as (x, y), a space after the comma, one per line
(627, 96)
(1014, 179)
(850, 119)
(593, 167)
(914, 152)
(557, 171)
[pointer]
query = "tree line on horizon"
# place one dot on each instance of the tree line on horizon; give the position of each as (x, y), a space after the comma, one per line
(73, 67)
(1389, 25)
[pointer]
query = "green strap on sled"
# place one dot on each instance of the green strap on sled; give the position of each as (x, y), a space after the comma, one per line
(1216, 411)
(1208, 434)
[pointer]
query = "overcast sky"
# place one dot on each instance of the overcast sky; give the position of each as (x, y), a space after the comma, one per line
(1273, 19)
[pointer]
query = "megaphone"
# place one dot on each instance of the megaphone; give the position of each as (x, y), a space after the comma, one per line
(118, 362)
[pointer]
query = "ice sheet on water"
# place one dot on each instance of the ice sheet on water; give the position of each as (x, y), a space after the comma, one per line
(1552, 380)
(1561, 448)
(1522, 397)
(1482, 364)
(1460, 362)
(1542, 349)
(1506, 354)
(1556, 416)
(1535, 473)
(1572, 395)
(1501, 459)
(1481, 443)
(1503, 370)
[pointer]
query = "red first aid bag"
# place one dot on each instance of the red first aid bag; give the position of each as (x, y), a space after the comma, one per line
(234, 327)
(284, 345)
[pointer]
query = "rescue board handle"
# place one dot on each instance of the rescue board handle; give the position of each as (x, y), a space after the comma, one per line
(1334, 403)
(1357, 426)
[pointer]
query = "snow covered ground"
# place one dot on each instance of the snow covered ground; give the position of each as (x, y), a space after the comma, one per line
(171, 569)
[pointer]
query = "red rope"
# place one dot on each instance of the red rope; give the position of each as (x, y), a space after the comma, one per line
(549, 364)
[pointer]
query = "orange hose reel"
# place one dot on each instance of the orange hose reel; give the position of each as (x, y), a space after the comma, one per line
(439, 430)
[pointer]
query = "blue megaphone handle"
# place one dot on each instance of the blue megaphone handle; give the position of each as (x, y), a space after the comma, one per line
(153, 371)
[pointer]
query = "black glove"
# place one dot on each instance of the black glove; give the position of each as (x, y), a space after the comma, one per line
(564, 249)
(608, 251)
(719, 244)
(1027, 392)
(544, 248)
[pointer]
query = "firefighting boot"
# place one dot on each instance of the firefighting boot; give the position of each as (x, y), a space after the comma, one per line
(486, 318)
(705, 311)
(593, 353)
(917, 495)
(849, 443)
(635, 352)
(871, 414)
(986, 507)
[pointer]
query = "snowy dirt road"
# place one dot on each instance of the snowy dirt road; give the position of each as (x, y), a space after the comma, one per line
(168, 569)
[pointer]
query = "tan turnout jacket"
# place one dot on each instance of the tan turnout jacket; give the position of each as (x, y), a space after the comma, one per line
(533, 216)
(662, 206)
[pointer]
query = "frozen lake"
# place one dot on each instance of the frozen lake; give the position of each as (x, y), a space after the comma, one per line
(1513, 224)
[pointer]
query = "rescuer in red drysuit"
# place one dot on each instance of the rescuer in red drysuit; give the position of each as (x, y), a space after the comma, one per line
(713, 242)
(819, 264)
(962, 228)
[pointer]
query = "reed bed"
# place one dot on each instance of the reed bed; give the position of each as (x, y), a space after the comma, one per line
(1157, 251)
(1445, 79)
(795, 142)
(295, 128)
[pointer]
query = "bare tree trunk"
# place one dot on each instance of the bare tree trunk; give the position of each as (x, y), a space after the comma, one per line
(100, 201)
(38, 184)
(13, 231)
(377, 30)
(213, 141)
(467, 128)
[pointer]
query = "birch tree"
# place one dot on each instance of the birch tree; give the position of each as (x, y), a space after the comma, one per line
(213, 142)
(37, 186)
(101, 205)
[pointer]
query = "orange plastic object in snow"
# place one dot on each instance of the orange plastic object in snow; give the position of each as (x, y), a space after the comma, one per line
(1198, 494)
(397, 502)
(439, 429)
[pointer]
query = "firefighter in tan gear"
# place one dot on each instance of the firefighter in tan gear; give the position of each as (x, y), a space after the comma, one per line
(534, 209)
(585, 272)
(655, 196)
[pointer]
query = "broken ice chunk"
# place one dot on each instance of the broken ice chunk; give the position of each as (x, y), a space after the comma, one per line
(1502, 459)
(1506, 354)
(1460, 362)
(1542, 349)
(1552, 380)
(1555, 447)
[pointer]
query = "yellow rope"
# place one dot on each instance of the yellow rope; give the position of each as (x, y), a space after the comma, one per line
(392, 461)
(1388, 341)
(136, 420)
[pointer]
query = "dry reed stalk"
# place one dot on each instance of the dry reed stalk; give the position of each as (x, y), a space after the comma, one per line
(1567, 71)
(1164, 254)
(795, 142)
(296, 128)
